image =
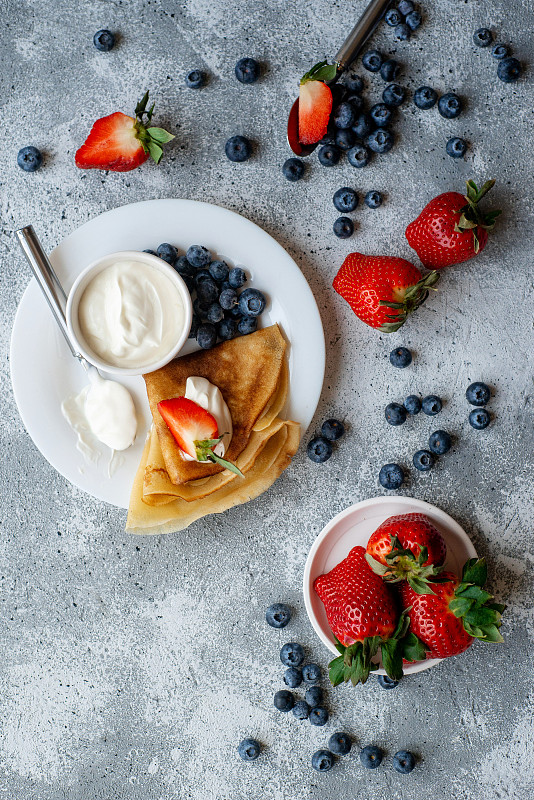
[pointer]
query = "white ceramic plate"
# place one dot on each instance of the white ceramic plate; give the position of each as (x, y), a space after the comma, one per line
(43, 372)
(353, 527)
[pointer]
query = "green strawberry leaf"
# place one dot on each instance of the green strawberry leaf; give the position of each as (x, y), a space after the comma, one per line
(159, 135)
(413, 649)
(376, 566)
(460, 606)
(336, 671)
(491, 635)
(472, 592)
(392, 658)
(154, 149)
(323, 71)
(418, 585)
(481, 616)
(204, 452)
(140, 108)
(475, 571)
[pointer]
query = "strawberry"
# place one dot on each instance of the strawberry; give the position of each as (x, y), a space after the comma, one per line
(407, 547)
(449, 620)
(315, 102)
(452, 228)
(194, 429)
(121, 143)
(382, 290)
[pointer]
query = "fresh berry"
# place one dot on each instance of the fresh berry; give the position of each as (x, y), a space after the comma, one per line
(247, 325)
(195, 324)
(386, 683)
(344, 116)
(509, 69)
(403, 761)
(104, 40)
(499, 51)
(450, 105)
(29, 158)
(405, 7)
(423, 460)
(311, 673)
(200, 307)
(214, 313)
(393, 17)
(293, 169)
(206, 336)
(249, 749)
(251, 302)
(413, 20)
(479, 418)
(395, 414)
(343, 227)
(431, 405)
(359, 156)
(371, 756)
(391, 476)
(315, 103)
(318, 716)
(363, 126)
(340, 743)
(167, 252)
(439, 442)
(189, 423)
(292, 654)
(202, 275)
(278, 615)
(329, 155)
(301, 710)
(319, 449)
(238, 148)
(413, 404)
(195, 79)
(228, 299)
(293, 677)
(237, 277)
(380, 141)
(322, 760)
(153, 253)
(372, 60)
(456, 147)
(219, 271)
(483, 37)
(345, 200)
(247, 70)
(345, 138)
(373, 199)
(400, 357)
(332, 430)
(284, 701)
(381, 115)
(183, 267)
(382, 290)
(393, 95)
(207, 290)
(353, 82)
(198, 256)
(390, 69)
(478, 394)
(120, 143)
(403, 32)
(314, 696)
(425, 97)
(451, 228)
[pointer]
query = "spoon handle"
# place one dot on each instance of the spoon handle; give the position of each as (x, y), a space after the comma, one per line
(360, 33)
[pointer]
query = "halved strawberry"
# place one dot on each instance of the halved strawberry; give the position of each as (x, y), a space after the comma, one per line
(120, 143)
(315, 103)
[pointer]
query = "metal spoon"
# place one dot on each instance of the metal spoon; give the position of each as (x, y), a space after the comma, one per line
(344, 57)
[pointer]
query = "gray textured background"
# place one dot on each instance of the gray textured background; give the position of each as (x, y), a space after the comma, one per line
(132, 667)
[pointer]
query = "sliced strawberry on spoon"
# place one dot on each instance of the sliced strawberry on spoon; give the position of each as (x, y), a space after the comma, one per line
(120, 143)
(315, 102)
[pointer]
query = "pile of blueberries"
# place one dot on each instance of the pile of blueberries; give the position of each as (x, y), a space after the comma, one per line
(405, 19)
(320, 447)
(508, 68)
(220, 310)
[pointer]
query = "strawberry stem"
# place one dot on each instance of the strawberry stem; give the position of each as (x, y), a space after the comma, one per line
(204, 451)
(471, 217)
(151, 139)
(414, 297)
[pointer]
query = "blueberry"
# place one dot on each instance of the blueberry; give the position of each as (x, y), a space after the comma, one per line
(247, 70)
(251, 302)
(29, 158)
(293, 677)
(249, 749)
(329, 155)
(456, 147)
(343, 227)
(293, 169)
(478, 394)
(358, 156)
(284, 701)
(373, 199)
(393, 95)
(103, 40)
(386, 682)
(353, 82)
(311, 673)
(228, 299)
(405, 7)
(214, 313)
(237, 277)
(329, 137)
(314, 696)
(207, 290)
(195, 323)
(499, 51)
(202, 275)
(340, 743)
(479, 418)
(400, 357)
(227, 329)
(395, 414)
(198, 256)
(345, 138)
(450, 105)
(219, 271)
(278, 615)
(318, 716)
(206, 336)
(247, 325)
(345, 199)
(404, 761)
(371, 756)
(238, 148)
(483, 37)
(200, 307)
(380, 141)
(425, 97)
(319, 449)
(363, 126)
(403, 32)
(381, 115)
(344, 116)
(195, 78)
(413, 20)
(301, 710)
(292, 654)
(509, 69)
(322, 760)
(391, 476)
(423, 460)
(153, 253)
(183, 267)
(372, 60)
(393, 17)
(431, 405)
(412, 404)
(332, 429)
(390, 69)
(167, 252)
(439, 442)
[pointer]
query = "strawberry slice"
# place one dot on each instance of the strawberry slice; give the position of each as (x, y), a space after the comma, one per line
(315, 103)
(121, 143)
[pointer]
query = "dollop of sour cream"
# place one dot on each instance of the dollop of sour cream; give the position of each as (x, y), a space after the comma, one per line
(131, 314)
(209, 396)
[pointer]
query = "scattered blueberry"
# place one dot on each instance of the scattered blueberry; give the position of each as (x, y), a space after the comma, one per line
(478, 394)
(206, 336)
(197, 256)
(219, 271)
(238, 148)
(228, 299)
(400, 357)
(322, 760)
(404, 761)
(167, 252)
(318, 716)
(509, 69)
(390, 69)
(311, 673)
(251, 302)
(413, 404)
(329, 155)
(249, 749)
(425, 97)
(391, 476)
(405, 7)
(499, 51)
(200, 307)
(293, 677)
(371, 756)
(343, 227)
(214, 313)
(483, 37)
(345, 138)
(247, 325)
(284, 701)
(319, 449)
(314, 696)
(293, 169)
(393, 17)
(227, 329)
(413, 20)
(183, 267)
(202, 275)
(439, 442)
(344, 116)
(393, 95)
(207, 290)
(450, 105)
(380, 141)
(381, 115)
(340, 743)
(345, 199)
(363, 126)
(247, 70)
(372, 60)
(301, 710)
(431, 405)
(456, 147)
(479, 418)
(386, 682)
(332, 429)
(29, 158)
(373, 199)
(353, 82)
(292, 654)
(237, 277)
(395, 414)
(103, 40)
(195, 79)
(403, 32)
(423, 460)
(358, 156)
(278, 615)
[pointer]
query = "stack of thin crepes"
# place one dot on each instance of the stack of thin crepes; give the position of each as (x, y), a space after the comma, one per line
(170, 492)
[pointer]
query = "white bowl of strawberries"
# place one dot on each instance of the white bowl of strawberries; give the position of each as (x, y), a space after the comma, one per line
(394, 585)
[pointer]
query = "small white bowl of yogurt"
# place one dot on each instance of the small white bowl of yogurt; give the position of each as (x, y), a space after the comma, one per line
(129, 313)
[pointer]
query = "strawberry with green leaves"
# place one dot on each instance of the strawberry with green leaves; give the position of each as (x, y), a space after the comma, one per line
(315, 102)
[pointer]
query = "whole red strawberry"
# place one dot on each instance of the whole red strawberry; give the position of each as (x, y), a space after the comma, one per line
(382, 290)
(449, 620)
(452, 228)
